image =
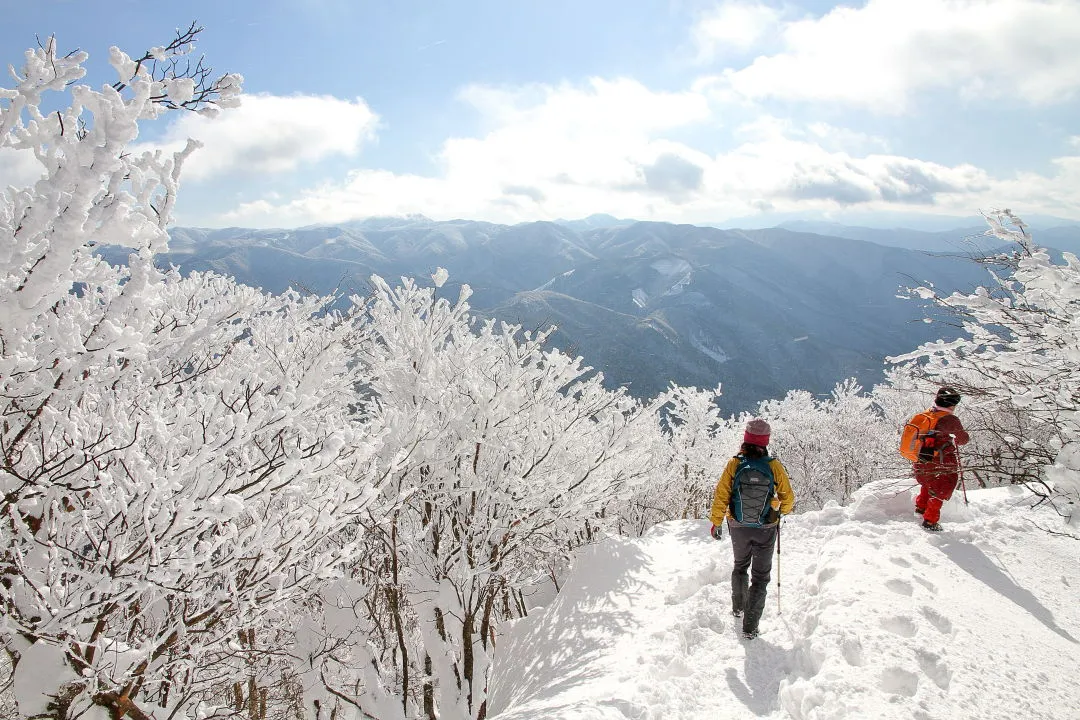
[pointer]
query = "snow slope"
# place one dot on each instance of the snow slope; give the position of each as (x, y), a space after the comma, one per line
(880, 620)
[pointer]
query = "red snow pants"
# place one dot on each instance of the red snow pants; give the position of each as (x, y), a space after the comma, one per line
(933, 491)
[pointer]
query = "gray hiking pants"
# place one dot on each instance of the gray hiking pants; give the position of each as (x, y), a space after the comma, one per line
(753, 550)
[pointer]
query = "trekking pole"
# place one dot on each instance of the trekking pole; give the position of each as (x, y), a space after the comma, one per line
(960, 467)
(960, 470)
(778, 524)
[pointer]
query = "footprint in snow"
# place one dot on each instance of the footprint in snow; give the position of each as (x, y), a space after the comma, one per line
(823, 576)
(700, 624)
(851, 649)
(902, 562)
(900, 625)
(900, 587)
(939, 621)
(926, 584)
(898, 681)
(934, 667)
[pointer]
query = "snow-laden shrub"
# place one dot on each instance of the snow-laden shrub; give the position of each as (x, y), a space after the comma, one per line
(692, 441)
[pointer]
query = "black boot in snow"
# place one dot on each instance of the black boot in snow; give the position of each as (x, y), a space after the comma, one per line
(931, 527)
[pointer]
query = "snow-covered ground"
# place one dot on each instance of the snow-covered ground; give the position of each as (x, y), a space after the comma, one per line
(880, 619)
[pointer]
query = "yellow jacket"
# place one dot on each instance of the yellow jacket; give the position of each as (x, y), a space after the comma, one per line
(784, 500)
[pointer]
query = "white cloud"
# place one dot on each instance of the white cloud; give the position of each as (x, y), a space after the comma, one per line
(734, 27)
(363, 193)
(272, 134)
(547, 148)
(18, 167)
(1057, 194)
(610, 147)
(598, 134)
(835, 138)
(789, 170)
(879, 55)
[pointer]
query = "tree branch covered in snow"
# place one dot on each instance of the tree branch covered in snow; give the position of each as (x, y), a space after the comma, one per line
(178, 83)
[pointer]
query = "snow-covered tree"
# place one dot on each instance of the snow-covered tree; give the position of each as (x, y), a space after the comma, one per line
(174, 452)
(504, 455)
(1018, 363)
(698, 451)
(694, 442)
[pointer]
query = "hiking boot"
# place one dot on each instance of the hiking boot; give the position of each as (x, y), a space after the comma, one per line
(737, 613)
(919, 510)
(931, 527)
(750, 634)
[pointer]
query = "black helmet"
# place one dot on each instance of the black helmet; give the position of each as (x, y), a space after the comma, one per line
(947, 397)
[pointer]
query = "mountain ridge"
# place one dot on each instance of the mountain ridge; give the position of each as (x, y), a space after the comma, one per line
(647, 303)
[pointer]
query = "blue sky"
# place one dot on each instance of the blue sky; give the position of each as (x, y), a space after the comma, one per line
(742, 111)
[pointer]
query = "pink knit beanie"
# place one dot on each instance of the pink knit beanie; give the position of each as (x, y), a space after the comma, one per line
(757, 432)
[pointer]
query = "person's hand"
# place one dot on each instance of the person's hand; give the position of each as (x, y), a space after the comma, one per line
(717, 532)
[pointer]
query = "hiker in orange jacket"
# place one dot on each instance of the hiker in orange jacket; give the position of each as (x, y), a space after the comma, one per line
(939, 476)
(752, 546)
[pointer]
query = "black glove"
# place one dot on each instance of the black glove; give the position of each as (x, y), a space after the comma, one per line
(717, 532)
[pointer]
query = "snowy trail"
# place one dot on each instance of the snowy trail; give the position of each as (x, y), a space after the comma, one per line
(880, 620)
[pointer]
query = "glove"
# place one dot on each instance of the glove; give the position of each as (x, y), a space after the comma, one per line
(717, 532)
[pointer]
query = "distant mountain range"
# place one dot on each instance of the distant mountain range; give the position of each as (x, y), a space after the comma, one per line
(962, 240)
(647, 303)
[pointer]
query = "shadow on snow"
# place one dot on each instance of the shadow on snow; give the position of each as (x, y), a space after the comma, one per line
(971, 559)
(555, 648)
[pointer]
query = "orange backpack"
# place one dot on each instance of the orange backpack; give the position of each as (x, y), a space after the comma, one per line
(918, 440)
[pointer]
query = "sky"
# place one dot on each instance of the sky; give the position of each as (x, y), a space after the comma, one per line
(733, 112)
(877, 619)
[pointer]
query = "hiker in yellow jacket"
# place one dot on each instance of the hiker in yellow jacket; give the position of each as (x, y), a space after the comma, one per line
(751, 544)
